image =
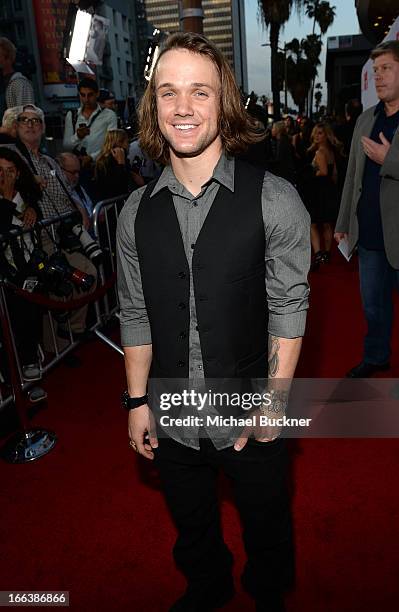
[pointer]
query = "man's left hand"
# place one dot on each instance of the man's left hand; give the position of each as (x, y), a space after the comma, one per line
(29, 217)
(375, 151)
(261, 433)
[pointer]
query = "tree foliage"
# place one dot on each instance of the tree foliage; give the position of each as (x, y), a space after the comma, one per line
(274, 14)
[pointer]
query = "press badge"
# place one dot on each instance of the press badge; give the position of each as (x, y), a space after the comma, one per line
(30, 284)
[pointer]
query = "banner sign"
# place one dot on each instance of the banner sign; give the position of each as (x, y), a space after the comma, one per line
(50, 17)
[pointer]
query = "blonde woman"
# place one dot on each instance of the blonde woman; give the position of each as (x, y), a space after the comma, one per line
(113, 176)
(323, 193)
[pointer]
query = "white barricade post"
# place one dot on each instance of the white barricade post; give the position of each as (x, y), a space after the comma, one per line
(105, 218)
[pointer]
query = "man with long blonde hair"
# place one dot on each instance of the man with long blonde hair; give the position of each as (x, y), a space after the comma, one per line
(212, 257)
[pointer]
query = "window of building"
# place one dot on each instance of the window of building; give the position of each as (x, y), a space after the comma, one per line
(124, 22)
(114, 17)
(121, 84)
(129, 69)
(118, 61)
(117, 42)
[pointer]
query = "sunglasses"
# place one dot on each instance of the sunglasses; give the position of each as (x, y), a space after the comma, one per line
(29, 120)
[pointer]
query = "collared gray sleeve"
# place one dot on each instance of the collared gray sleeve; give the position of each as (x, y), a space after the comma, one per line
(135, 327)
(287, 256)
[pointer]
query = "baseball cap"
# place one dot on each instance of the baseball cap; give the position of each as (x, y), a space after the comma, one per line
(105, 94)
(31, 108)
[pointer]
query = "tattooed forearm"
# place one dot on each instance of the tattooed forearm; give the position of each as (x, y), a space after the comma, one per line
(274, 347)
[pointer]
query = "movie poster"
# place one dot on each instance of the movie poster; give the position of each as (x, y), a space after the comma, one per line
(50, 16)
(97, 40)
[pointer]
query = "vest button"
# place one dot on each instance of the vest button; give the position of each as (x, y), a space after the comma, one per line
(180, 364)
(196, 328)
(181, 306)
(182, 275)
(195, 203)
(193, 245)
(182, 335)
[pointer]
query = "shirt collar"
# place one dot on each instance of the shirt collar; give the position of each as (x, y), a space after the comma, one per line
(223, 174)
(380, 107)
(95, 111)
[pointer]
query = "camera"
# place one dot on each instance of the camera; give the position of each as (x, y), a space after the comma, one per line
(57, 275)
(79, 151)
(137, 164)
(74, 237)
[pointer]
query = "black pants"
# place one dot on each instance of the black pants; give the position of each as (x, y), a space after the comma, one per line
(26, 322)
(259, 478)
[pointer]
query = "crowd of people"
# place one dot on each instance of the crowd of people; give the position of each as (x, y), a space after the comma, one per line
(313, 156)
(97, 161)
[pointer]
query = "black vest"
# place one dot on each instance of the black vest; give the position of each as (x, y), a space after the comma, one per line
(229, 281)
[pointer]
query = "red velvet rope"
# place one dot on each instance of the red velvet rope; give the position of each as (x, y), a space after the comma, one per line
(51, 304)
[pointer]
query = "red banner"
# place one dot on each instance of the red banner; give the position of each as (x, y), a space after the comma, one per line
(50, 17)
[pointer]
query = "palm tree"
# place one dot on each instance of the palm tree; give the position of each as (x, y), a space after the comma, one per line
(323, 15)
(274, 14)
(302, 61)
(318, 96)
(321, 12)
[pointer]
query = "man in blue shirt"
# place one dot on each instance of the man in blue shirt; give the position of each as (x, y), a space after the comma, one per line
(369, 213)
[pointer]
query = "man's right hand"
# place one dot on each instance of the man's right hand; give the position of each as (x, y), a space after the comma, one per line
(340, 236)
(141, 425)
(81, 132)
(40, 180)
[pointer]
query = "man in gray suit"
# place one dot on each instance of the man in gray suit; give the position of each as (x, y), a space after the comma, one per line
(369, 213)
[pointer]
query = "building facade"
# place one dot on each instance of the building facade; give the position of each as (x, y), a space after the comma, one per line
(36, 27)
(346, 56)
(224, 24)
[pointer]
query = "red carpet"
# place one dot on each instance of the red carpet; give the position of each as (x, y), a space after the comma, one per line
(89, 517)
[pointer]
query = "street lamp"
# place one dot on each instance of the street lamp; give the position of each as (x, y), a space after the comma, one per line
(282, 50)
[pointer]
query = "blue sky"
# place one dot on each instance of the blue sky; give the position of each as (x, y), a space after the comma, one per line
(297, 27)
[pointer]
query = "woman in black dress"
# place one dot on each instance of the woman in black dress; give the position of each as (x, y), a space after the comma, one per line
(322, 197)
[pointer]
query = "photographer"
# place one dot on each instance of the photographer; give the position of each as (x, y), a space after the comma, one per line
(56, 199)
(19, 195)
(86, 130)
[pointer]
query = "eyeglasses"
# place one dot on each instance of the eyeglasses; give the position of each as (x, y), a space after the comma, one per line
(29, 120)
(76, 172)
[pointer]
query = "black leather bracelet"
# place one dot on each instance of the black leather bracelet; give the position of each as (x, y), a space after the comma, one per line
(130, 403)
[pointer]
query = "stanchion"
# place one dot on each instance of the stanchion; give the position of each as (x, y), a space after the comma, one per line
(29, 443)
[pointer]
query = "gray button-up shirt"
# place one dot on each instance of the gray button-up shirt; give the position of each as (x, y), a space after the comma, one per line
(287, 256)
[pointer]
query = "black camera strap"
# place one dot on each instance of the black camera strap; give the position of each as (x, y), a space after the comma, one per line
(55, 170)
(91, 120)
(27, 156)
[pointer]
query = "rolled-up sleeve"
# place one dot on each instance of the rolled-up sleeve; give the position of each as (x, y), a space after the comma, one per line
(287, 257)
(135, 327)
